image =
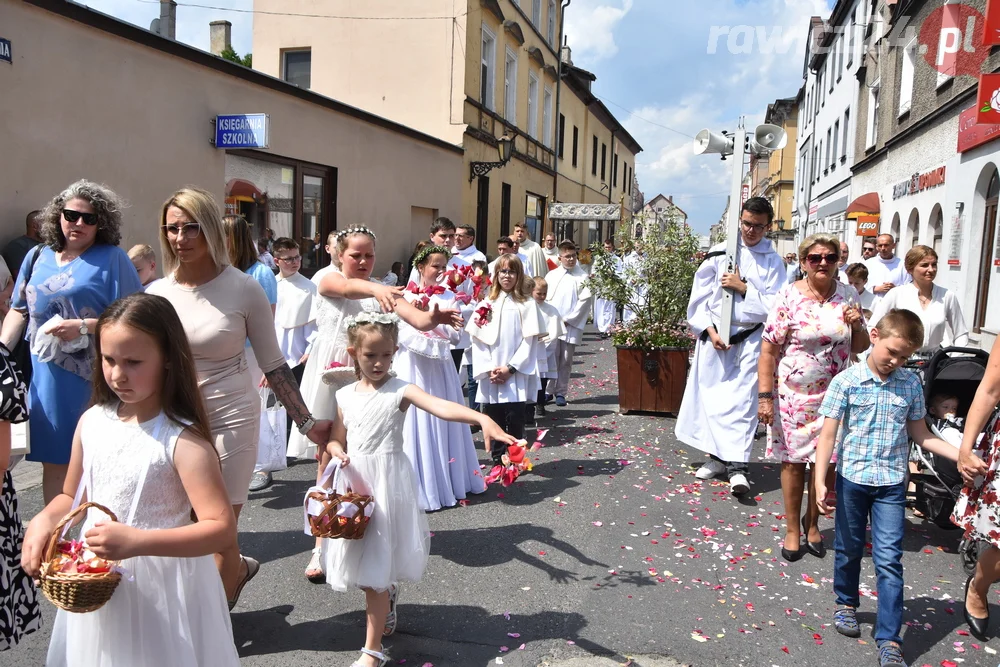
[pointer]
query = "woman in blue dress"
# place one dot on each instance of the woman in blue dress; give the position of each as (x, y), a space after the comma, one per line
(243, 255)
(76, 273)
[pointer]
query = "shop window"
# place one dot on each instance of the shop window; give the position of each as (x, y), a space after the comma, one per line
(293, 199)
(297, 68)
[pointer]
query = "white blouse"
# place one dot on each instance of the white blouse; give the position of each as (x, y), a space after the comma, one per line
(943, 312)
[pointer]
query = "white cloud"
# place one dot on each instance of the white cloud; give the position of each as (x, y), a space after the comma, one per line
(590, 27)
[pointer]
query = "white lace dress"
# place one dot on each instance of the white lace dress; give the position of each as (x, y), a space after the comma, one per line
(396, 543)
(166, 611)
(443, 454)
(330, 346)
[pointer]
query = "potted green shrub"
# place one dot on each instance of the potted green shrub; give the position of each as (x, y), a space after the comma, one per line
(654, 346)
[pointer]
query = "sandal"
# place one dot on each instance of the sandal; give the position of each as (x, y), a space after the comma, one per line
(314, 571)
(253, 567)
(390, 618)
(381, 657)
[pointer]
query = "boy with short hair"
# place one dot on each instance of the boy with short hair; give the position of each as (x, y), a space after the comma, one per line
(569, 293)
(553, 330)
(857, 277)
(144, 260)
(882, 403)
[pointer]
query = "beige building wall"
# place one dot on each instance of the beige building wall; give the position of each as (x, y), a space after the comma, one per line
(135, 117)
(781, 175)
(400, 59)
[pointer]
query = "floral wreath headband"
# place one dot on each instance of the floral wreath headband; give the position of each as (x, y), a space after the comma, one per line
(372, 318)
(428, 251)
(356, 229)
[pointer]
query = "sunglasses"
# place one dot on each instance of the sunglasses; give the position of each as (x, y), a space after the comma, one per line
(831, 258)
(72, 216)
(189, 230)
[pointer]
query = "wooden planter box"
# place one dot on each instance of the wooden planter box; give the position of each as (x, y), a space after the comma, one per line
(651, 380)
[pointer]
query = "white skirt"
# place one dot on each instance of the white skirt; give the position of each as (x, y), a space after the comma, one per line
(318, 396)
(443, 454)
(173, 612)
(397, 540)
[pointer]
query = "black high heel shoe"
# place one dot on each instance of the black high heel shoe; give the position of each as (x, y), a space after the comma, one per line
(977, 626)
(817, 549)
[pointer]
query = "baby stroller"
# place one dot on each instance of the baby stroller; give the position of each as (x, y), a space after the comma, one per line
(956, 371)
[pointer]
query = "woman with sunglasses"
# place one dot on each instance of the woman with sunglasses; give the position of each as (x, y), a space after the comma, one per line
(937, 308)
(221, 307)
(75, 273)
(815, 325)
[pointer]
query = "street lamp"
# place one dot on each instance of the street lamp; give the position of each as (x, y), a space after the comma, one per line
(505, 150)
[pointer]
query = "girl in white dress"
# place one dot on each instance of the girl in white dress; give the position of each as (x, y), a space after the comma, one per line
(143, 451)
(344, 292)
(506, 352)
(367, 441)
(442, 453)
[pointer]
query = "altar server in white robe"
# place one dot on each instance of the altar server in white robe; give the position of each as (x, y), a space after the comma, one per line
(554, 329)
(719, 412)
(632, 272)
(569, 293)
(605, 311)
(531, 250)
(506, 350)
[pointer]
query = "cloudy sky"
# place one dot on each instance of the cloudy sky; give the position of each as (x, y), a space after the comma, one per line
(659, 68)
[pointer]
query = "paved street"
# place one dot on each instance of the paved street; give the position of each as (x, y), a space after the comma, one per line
(609, 551)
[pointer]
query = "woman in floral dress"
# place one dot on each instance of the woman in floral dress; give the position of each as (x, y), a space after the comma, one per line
(814, 326)
(978, 508)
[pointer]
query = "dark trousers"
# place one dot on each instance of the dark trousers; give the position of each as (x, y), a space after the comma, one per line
(733, 467)
(297, 374)
(456, 356)
(510, 417)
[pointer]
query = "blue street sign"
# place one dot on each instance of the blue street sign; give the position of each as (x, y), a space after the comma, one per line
(5, 52)
(247, 130)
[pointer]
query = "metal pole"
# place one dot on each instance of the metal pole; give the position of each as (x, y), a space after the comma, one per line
(733, 227)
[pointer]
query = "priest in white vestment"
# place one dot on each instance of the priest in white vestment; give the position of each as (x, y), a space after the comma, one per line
(719, 412)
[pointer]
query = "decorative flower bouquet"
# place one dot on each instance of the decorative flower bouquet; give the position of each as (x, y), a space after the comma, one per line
(483, 315)
(515, 461)
(656, 288)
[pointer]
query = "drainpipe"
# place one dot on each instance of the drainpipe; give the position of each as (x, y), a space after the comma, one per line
(559, 75)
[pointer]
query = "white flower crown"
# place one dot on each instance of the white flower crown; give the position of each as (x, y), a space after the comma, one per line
(372, 318)
(356, 229)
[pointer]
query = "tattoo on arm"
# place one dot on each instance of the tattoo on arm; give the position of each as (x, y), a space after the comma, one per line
(285, 387)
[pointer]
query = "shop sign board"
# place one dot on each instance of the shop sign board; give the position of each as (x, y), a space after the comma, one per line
(5, 52)
(867, 225)
(249, 130)
(988, 99)
(971, 134)
(919, 183)
(991, 31)
(955, 245)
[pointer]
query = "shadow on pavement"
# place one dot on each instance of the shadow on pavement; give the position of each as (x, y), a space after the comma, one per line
(486, 547)
(473, 636)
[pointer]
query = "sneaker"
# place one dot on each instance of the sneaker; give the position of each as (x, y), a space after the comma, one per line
(845, 620)
(890, 655)
(560, 400)
(712, 468)
(260, 481)
(539, 411)
(738, 484)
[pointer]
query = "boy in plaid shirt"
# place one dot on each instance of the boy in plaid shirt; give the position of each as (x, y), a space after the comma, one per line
(881, 403)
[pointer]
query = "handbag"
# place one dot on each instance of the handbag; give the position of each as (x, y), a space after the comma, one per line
(273, 442)
(21, 353)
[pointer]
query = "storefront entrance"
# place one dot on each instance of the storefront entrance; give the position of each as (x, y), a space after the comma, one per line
(986, 263)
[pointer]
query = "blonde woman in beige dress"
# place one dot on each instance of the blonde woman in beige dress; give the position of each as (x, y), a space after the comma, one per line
(221, 307)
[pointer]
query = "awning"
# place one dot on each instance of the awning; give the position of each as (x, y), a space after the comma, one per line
(241, 189)
(865, 205)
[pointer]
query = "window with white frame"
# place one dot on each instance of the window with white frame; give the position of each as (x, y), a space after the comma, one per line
(510, 86)
(906, 76)
(840, 57)
(536, 13)
(532, 105)
(847, 124)
(851, 35)
(831, 66)
(835, 144)
(487, 77)
(552, 23)
(547, 117)
(829, 144)
(873, 105)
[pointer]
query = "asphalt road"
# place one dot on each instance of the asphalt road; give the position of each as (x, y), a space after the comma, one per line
(609, 551)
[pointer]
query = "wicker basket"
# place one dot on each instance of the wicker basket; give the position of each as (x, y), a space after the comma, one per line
(74, 591)
(330, 526)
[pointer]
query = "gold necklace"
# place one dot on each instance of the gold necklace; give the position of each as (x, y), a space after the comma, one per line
(816, 294)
